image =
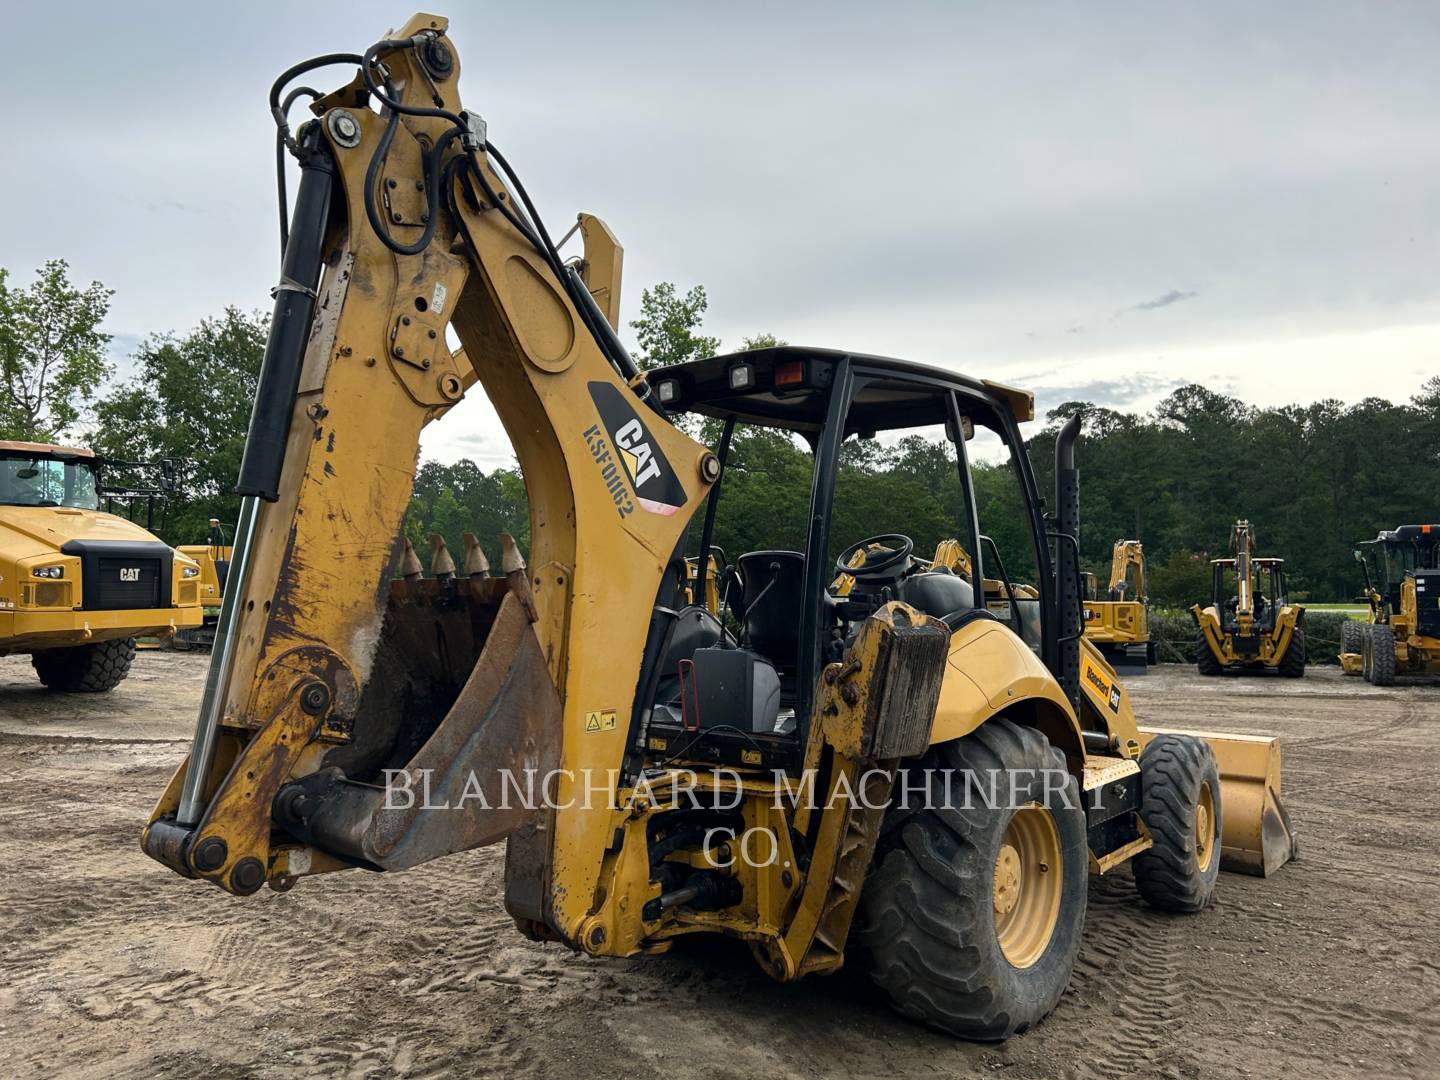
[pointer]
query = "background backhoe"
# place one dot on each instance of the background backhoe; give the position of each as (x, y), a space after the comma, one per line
(1243, 628)
(899, 770)
(1119, 624)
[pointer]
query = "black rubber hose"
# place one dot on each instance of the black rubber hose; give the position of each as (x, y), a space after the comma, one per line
(282, 137)
(367, 63)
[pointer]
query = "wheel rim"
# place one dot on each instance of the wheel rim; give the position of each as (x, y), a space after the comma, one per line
(1205, 827)
(1027, 885)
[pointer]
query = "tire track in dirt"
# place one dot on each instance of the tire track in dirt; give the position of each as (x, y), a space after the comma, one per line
(1128, 963)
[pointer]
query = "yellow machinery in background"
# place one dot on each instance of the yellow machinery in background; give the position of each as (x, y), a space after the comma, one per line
(1119, 625)
(213, 559)
(78, 585)
(1243, 628)
(797, 783)
(1403, 634)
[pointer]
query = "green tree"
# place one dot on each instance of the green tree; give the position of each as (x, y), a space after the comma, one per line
(190, 400)
(52, 352)
(667, 330)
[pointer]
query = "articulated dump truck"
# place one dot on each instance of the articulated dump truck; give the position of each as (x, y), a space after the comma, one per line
(78, 585)
(918, 770)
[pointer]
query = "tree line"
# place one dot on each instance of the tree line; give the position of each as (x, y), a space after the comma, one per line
(1313, 478)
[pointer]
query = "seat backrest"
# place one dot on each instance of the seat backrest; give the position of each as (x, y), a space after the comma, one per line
(772, 615)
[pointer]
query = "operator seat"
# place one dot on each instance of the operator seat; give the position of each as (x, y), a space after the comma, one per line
(772, 584)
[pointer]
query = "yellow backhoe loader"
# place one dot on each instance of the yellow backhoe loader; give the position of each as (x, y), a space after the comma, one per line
(1403, 634)
(78, 585)
(895, 771)
(1119, 625)
(1243, 629)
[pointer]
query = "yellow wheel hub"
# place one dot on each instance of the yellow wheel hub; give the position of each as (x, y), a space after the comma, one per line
(1027, 885)
(1205, 828)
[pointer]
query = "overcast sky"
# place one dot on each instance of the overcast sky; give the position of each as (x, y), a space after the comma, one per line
(1098, 200)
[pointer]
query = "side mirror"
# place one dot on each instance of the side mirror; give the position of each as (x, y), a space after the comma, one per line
(1359, 556)
(967, 429)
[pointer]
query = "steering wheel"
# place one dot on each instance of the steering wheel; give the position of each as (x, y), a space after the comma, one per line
(877, 563)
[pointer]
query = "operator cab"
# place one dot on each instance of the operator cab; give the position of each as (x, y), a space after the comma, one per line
(1409, 552)
(875, 441)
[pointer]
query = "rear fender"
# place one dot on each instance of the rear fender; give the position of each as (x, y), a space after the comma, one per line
(990, 671)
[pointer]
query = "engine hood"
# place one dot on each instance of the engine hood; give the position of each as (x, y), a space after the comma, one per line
(48, 528)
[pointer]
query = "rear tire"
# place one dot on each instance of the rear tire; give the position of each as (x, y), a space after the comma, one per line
(1352, 635)
(1205, 658)
(1180, 805)
(1380, 653)
(968, 924)
(85, 669)
(1292, 664)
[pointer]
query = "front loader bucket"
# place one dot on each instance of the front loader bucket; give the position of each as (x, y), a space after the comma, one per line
(1256, 836)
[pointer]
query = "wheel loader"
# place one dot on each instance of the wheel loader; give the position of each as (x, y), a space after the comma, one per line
(898, 774)
(1119, 625)
(1242, 629)
(78, 585)
(1403, 634)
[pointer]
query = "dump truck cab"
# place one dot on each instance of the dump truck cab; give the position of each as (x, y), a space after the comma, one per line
(78, 584)
(1402, 589)
(1249, 623)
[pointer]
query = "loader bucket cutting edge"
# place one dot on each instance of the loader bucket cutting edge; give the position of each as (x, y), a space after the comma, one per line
(1256, 835)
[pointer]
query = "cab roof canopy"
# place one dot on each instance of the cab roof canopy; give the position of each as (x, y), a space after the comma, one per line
(44, 449)
(789, 386)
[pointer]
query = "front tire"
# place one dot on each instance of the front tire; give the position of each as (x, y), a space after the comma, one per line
(85, 669)
(1352, 635)
(1205, 659)
(1380, 651)
(1180, 805)
(1292, 664)
(973, 912)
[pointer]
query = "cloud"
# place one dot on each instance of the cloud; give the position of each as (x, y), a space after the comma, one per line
(1174, 296)
(1122, 393)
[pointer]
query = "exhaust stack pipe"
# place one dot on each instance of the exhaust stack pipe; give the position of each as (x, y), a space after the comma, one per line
(1068, 600)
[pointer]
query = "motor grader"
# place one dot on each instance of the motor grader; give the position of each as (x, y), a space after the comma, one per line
(1242, 629)
(78, 584)
(1403, 634)
(1119, 625)
(899, 772)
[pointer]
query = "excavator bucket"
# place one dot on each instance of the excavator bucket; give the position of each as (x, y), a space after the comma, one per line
(1256, 835)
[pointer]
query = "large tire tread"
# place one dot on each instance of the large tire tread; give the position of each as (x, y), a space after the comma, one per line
(1382, 655)
(1292, 664)
(1173, 769)
(85, 669)
(925, 922)
(1205, 659)
(1352, 634)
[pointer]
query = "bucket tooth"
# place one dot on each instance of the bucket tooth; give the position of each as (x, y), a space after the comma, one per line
(476, 564)
(410, 568)
(512, 565)
(442, 566)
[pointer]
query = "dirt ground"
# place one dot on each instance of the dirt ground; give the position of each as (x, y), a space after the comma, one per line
(111, 966)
